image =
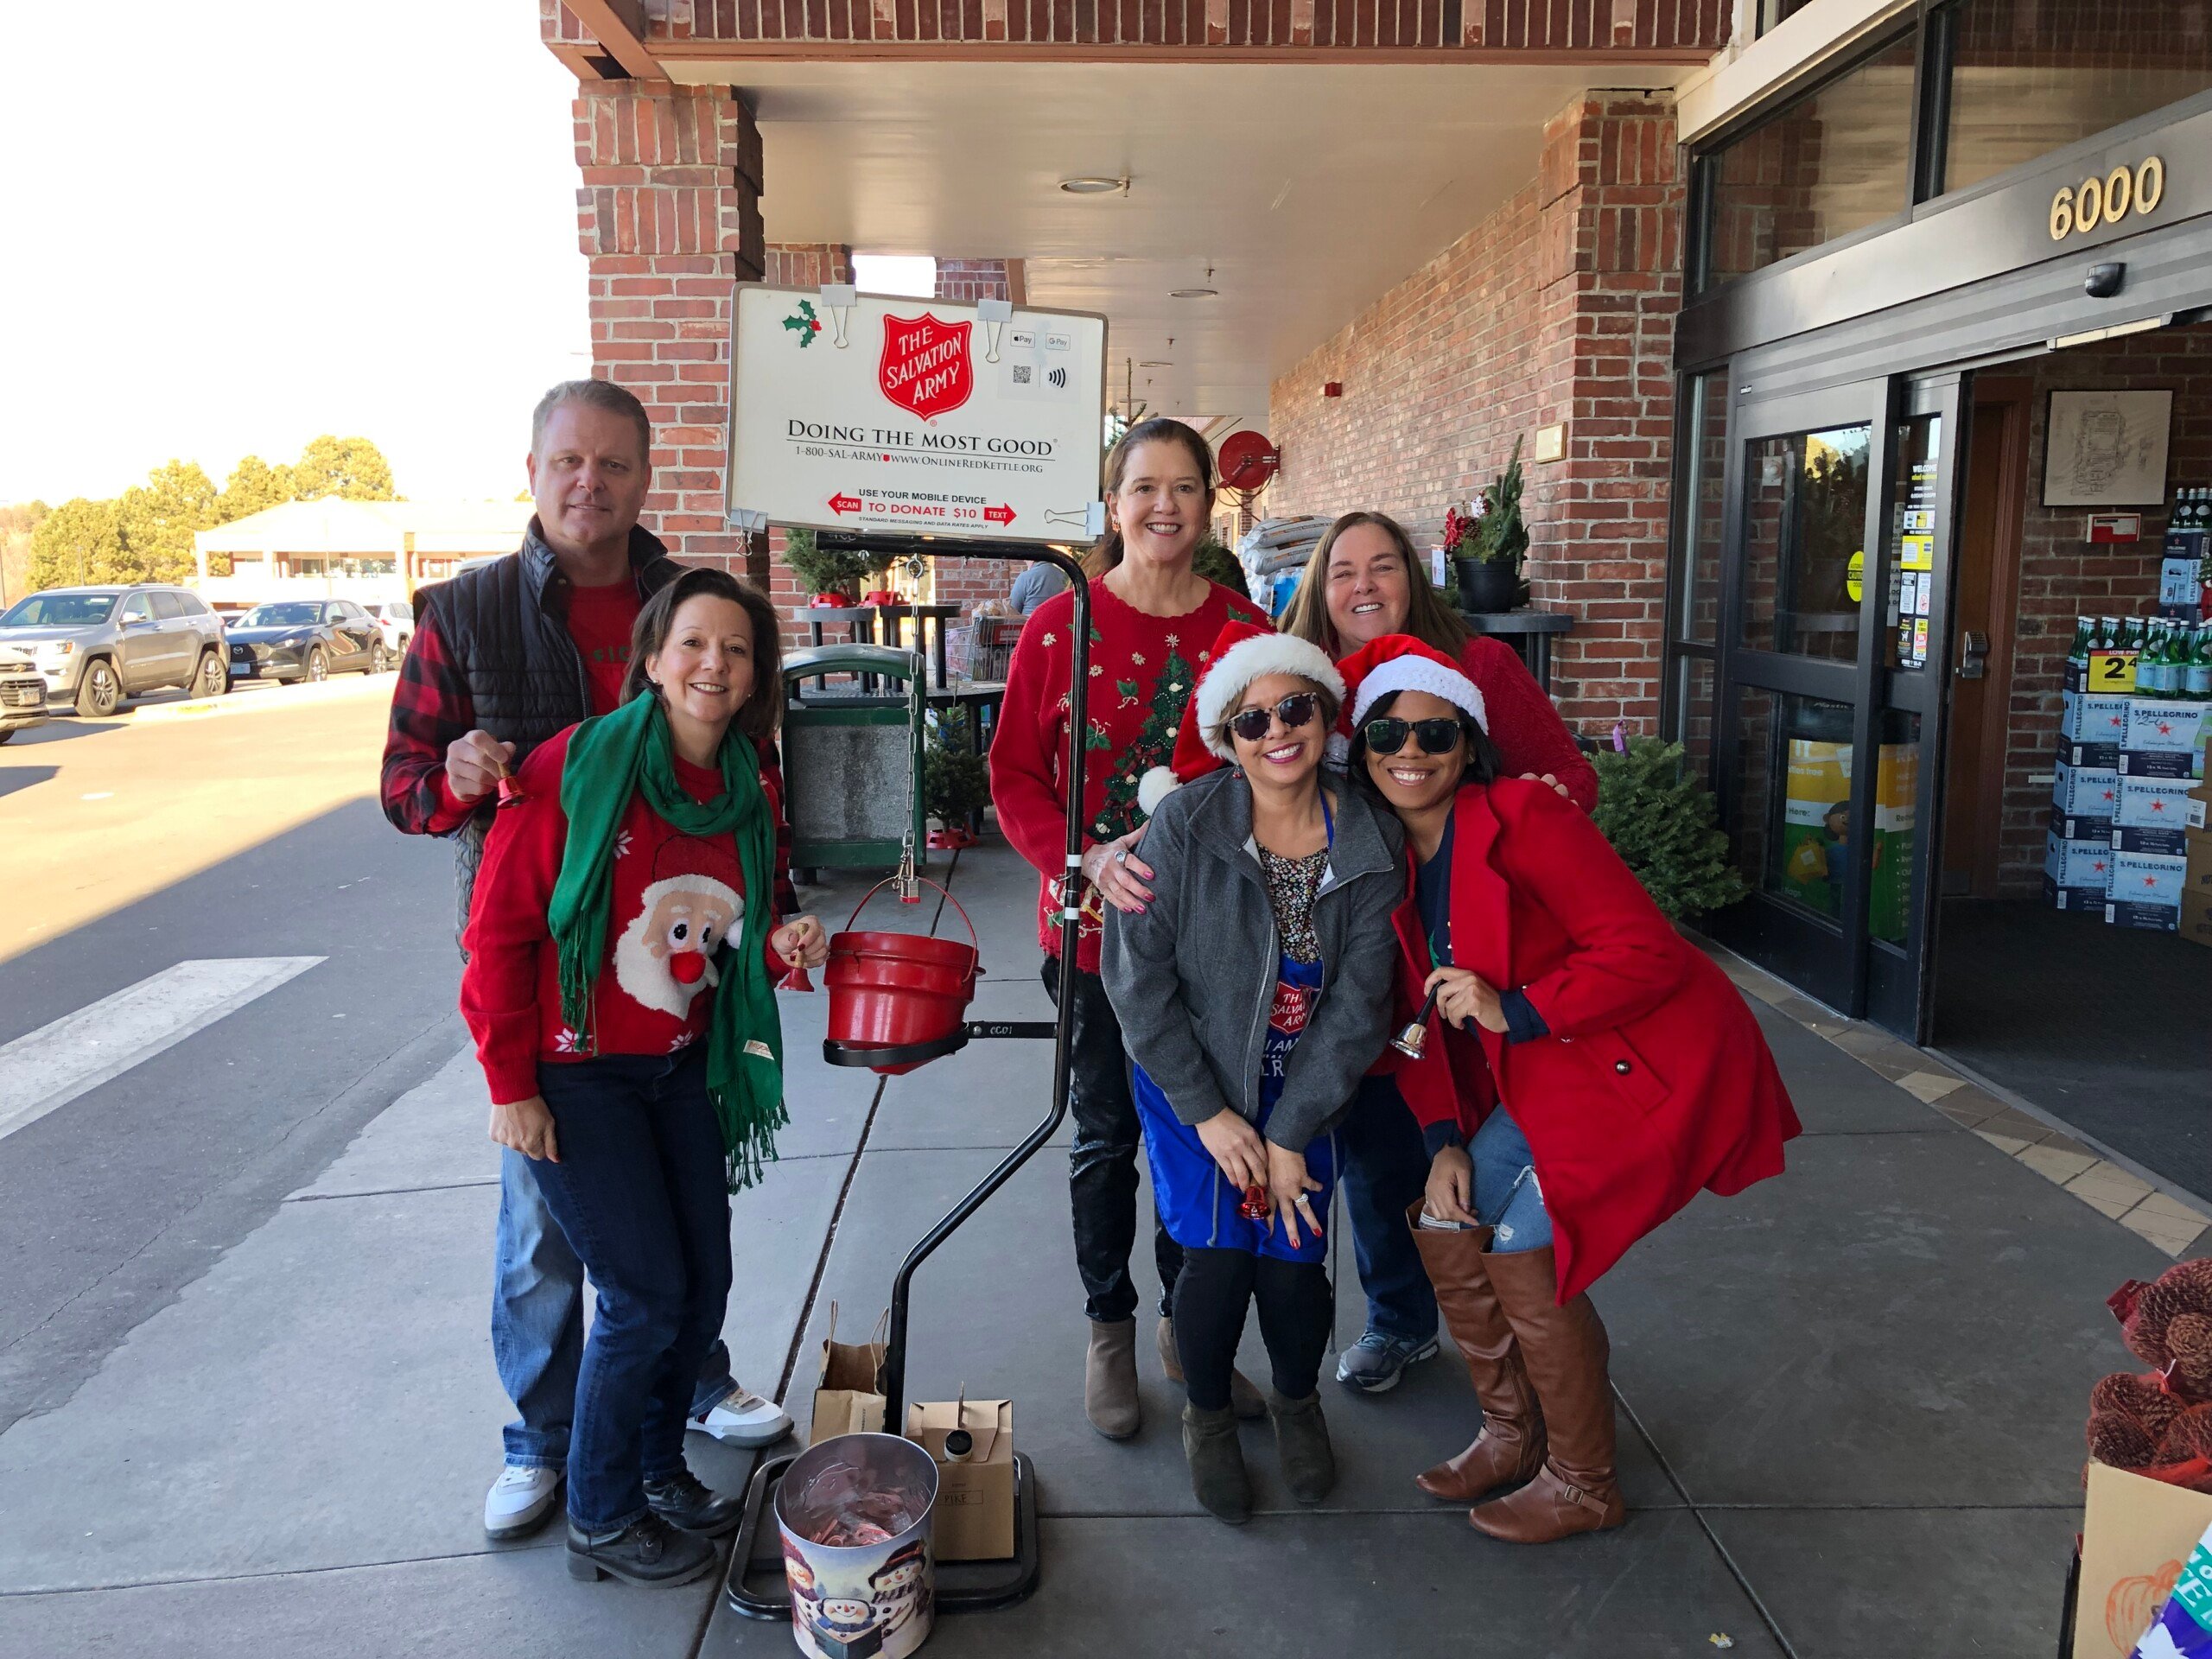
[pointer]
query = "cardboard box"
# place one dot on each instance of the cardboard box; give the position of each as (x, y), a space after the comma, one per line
(2136, 1534)
(848, 1395)
(2090, 901)
(975, 1494)
(2195, 923)
(2166, 843)
(2196, 852)
(2093, 757)
(2085, 792)
(2068, 829)
(2083, 865)
(2153, 803)
(2168, 723)
(2089, 718)
(2151, 763)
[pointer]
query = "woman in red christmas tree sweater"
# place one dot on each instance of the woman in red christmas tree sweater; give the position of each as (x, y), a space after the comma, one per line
(1153, 623)
(636, 1061)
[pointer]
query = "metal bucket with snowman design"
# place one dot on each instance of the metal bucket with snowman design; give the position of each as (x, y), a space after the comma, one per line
(856, 1514)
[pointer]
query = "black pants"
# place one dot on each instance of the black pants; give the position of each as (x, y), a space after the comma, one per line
(1296, 1315)
(1103, 1163)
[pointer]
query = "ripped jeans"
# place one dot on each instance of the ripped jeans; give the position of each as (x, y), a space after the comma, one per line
(1507, 1195)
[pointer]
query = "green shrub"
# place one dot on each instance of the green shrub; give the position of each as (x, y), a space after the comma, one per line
(1661, 821)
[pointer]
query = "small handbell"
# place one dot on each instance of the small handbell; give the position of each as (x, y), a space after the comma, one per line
(796, 980)
(511, 790)
(1254, 1206)
(1413, 1040)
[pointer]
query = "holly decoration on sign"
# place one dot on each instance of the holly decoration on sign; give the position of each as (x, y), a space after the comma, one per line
(805, 323)
(1118, 813)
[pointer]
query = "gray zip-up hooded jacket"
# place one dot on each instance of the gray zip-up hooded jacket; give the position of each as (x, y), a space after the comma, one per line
(1192, 977)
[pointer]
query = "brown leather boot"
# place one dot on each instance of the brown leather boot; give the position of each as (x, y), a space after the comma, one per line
(1244, 1396)
(1510, 1448)
(1109, 1379)
(1565, 1350)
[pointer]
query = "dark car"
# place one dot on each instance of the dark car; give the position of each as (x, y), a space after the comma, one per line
(95, 646)
(306, 640)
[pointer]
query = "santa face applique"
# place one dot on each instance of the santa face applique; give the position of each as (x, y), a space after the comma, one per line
(665, 954)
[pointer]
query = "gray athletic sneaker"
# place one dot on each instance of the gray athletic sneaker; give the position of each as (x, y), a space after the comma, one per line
(1374, 1362)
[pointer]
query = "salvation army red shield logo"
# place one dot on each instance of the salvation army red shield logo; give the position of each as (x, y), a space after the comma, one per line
(926, 368)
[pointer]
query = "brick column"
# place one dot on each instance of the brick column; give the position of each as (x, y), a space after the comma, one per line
(1610, 200)
(669, 216)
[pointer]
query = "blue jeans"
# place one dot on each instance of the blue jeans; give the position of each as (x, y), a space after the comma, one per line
(640, 1192)
(1507, 1197)
(537, 1324)
(1385, 1170)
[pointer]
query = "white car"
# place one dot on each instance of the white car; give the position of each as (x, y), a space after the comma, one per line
(396, 622)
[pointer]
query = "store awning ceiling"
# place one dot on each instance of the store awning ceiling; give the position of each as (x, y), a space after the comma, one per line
(1307, 191)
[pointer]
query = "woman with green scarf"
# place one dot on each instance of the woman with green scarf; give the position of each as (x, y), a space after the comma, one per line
(626, 1017)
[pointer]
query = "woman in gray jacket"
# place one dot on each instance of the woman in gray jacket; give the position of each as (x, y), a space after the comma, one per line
(1253, 992)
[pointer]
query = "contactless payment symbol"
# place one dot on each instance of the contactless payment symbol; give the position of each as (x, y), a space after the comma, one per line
(926, 368)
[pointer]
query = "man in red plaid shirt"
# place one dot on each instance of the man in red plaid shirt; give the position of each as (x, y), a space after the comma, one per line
(503, 656)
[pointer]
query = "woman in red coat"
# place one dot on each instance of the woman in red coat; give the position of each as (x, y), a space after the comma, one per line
(1365, 580)
(1584, 1072)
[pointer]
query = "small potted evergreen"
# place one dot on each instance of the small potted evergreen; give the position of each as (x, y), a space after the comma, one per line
(1489, 543)
(832, 577)
(955, 781)
(1661, 820)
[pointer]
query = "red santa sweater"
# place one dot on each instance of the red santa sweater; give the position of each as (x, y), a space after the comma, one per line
(673, 897)
(1143, 670)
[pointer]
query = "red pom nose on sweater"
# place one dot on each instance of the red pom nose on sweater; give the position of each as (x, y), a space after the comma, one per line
(687, 967)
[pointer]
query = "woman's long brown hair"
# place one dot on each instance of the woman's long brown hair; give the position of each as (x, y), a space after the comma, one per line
(1428, 618)
(1161, 428)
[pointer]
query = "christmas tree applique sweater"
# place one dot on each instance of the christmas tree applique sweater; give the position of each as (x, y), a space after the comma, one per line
(673, 900)
(1143, 669)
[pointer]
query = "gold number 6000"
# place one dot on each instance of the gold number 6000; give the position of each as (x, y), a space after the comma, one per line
(2107, 200)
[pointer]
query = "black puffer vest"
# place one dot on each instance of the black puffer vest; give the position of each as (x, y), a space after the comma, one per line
(506, 625)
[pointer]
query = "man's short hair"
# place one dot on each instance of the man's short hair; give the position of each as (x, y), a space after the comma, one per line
(594, 394)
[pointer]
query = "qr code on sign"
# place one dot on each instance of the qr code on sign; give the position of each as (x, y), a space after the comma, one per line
(1021, 374)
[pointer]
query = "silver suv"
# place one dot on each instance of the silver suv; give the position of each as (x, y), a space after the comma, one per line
(95, 646)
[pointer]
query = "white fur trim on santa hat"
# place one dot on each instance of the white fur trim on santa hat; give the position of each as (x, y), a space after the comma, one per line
(1155, 786)
(1231, 675)
(1415, 672)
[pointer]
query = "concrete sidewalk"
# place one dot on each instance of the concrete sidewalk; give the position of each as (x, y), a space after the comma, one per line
(1851, 1402)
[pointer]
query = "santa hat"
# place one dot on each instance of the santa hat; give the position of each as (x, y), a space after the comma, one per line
(1398, 662)
(1240, 654)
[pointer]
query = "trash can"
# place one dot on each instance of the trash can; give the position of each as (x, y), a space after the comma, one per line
(853, 756)
(875, 1595)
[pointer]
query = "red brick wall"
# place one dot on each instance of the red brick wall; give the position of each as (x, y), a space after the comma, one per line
(1484, 24)
(2061, 578)
(1558, 306)
(668, 216)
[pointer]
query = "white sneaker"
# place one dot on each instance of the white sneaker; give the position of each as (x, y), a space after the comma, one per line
(520, 1500)
(745, 1419)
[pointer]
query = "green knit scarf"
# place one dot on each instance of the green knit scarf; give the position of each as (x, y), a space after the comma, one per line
(610, 759)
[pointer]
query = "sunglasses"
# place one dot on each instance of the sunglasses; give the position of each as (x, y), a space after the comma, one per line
(1388, 735)
(1295, 710)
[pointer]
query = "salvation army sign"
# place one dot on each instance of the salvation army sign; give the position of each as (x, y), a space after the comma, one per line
(925, 369)
(912, 416)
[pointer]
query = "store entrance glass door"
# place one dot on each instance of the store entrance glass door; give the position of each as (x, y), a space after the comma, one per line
(1833, 552)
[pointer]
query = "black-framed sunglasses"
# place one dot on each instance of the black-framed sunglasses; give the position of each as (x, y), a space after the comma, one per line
(1294, 710)
(1387, 735)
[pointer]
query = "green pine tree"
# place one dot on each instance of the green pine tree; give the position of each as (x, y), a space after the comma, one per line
(1661, 821)
(1118, 813)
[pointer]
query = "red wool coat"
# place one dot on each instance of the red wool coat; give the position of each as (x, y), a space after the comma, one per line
(1654, 1080)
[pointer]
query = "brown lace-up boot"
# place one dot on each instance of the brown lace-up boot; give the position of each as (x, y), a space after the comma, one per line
(1565, 1351)
(1510, 1448)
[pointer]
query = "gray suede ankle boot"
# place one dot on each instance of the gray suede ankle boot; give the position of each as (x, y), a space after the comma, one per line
(1309, 1466)
(1218, 1479)
(1109, 1379)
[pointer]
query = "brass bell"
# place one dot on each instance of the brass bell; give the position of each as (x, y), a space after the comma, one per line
(1413, 1041)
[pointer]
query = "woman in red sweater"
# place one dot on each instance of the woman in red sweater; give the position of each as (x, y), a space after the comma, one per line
(1586, 1070)
(624, 1017)
(1153, 623)
(1364, 581)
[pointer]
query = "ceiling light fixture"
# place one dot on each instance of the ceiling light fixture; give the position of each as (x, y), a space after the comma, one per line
(1095, 185)
(1192, 293)
(1155, 363)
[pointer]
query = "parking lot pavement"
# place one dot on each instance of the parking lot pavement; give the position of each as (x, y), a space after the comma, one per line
(1849, 1405)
